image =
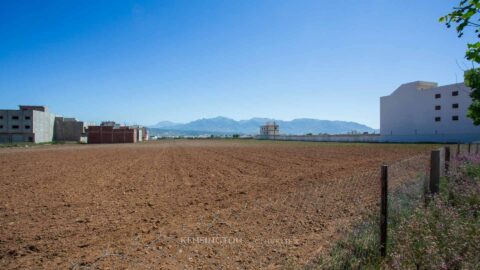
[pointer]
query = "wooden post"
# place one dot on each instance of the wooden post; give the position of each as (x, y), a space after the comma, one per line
(458, 149)
(383, 211)
(469, 148)
(435, 172)
(447, 158)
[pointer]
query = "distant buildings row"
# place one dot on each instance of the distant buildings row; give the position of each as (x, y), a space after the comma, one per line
(415, 112)
(37, 125)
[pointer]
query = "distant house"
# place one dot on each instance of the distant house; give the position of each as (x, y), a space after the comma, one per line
(269, 129)
(425, 112)
(27, 124)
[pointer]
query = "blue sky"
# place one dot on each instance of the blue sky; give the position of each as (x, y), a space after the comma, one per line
(147, 61)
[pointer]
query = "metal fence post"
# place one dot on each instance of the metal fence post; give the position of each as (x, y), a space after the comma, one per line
(447, 158)
(383, 211)
(435, 172)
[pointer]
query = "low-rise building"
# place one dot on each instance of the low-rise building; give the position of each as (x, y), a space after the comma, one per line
(269, 129)
(27, 124)
(110, 132)
(425, 112)
(69, 129)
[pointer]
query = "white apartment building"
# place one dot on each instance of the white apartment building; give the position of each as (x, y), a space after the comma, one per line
(425, 112)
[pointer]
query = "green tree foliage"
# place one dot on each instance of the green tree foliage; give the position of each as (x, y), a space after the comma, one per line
(466, 16)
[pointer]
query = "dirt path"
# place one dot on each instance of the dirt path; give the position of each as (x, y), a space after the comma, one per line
(183, 204)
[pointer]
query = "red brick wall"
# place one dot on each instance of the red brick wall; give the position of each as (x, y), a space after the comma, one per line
(105, 134)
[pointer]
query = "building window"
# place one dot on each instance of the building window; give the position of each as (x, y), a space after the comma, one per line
(15, 126)
(455, 118)
(15, 117)
(455, 93)
(455, 105)
(438, 95)
(438, 119)
(1, 126)
(1, 117)
(27, 117)
(438, 107)
(27, 127)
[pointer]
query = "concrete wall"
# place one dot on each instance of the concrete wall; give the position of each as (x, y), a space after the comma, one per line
(139, 134)
(68, 129)
(43, 124)
(324, 138)
(409, 113)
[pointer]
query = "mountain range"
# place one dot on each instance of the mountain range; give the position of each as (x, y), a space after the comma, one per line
(223, 125)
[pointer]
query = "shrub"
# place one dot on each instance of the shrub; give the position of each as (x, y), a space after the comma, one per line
(445, 234)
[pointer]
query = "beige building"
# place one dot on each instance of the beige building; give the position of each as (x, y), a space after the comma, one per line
(270, 129)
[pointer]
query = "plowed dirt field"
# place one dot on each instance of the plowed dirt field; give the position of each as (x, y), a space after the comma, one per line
(204, 204)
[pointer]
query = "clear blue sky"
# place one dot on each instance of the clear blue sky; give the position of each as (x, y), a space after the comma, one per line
(146, 61)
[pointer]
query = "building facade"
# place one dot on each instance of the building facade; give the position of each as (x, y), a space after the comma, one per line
(425, 112)
(111, 132)
(270, 129)
(69, 129)
(27, 124)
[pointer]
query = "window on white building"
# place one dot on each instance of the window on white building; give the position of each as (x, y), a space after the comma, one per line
(455, 93)
(455, 105)
(438, 107)
(15, 127)
(455, 118)
(438, 119)
(15, 117)
(438, 95)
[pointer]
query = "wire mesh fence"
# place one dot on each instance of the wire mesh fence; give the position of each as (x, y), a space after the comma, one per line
(416, 181)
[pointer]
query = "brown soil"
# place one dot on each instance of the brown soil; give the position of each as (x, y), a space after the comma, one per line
(184, 204)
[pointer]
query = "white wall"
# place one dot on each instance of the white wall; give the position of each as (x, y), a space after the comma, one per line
(408, 114)
(43, 124)
(323, 138)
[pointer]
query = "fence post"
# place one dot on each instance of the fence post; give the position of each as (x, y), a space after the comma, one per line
(458, 149)
(383, 211)
(447, 158)
(469, 147)
(476, 150)
(435, 172)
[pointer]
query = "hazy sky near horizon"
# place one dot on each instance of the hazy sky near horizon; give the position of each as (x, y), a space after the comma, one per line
(147, 61)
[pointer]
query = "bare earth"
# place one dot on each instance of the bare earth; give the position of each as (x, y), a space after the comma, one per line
(207, 204)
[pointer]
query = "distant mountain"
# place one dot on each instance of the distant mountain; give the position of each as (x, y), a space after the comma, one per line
(223, 125)
(164, 124)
